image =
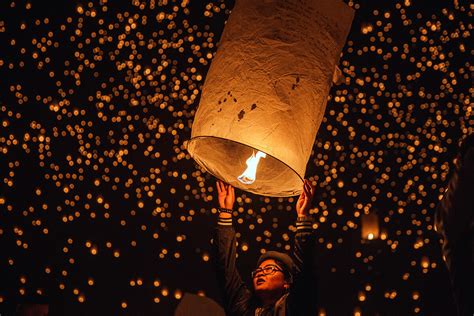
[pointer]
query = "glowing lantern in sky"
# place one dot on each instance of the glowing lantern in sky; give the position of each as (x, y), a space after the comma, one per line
(266, 92)
(370, 226)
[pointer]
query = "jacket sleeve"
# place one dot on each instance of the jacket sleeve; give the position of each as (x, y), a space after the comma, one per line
(454, 222)
(303, 292)
(236, 295)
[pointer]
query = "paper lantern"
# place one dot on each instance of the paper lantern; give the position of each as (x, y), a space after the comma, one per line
(266, 91)
(425, 262)
(370, 226)
(194, 305)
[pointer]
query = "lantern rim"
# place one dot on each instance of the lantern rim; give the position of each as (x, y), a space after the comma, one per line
(192, 139)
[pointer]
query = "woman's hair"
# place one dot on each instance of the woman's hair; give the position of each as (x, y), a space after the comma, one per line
(285, 270)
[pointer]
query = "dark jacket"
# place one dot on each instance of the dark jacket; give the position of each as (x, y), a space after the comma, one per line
(239, 299)
(455, 223)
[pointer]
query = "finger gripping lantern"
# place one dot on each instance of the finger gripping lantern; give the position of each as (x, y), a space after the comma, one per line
(265, 94)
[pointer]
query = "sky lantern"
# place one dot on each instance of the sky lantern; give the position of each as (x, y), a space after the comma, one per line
(265, 94)
(370, 226)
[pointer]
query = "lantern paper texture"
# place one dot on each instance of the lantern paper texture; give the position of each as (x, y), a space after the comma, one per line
(267, 89)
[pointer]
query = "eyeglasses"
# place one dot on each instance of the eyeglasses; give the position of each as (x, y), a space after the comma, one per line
(266, 270)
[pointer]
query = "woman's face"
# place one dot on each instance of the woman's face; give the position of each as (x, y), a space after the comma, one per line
(269, 283)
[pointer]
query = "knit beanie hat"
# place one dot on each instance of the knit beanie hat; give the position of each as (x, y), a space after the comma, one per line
(288, 264)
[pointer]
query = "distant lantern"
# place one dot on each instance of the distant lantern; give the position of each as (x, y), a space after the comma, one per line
(425, 262)
(370, 226)
(265, 94)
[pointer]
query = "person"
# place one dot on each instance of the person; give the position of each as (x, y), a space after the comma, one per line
(454, 221)
(281, 285)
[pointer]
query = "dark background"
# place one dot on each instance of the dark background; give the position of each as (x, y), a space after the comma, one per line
(102, 211)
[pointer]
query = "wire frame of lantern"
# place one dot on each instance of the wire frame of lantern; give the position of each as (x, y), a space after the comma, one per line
(265, 94)
(245, 167)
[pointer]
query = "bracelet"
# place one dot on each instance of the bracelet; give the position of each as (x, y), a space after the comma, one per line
(224, 210)
(305, 218)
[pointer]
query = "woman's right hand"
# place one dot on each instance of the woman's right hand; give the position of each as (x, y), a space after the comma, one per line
(226, 195)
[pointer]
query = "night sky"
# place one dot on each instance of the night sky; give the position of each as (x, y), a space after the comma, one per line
(103, 212)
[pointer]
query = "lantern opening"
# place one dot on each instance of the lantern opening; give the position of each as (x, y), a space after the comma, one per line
(225, 159)
(250, 174)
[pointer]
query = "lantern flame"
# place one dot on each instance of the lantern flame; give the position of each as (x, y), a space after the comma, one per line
(250, 174)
